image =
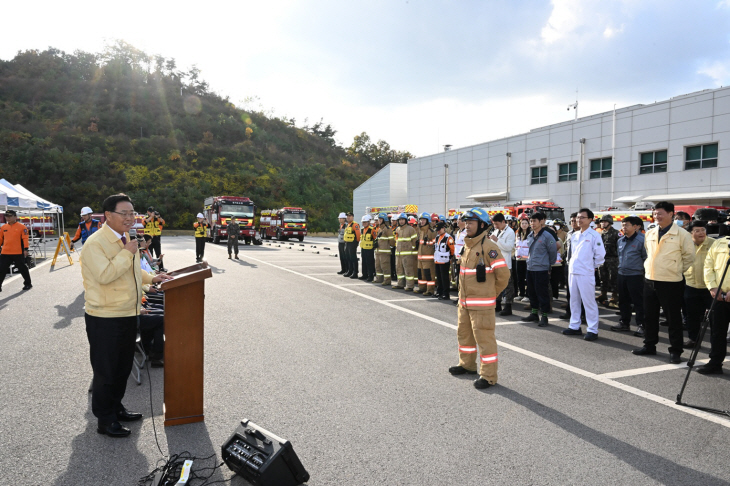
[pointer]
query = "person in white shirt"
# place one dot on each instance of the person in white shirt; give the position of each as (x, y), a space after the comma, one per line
(522, 251)
(587, 253)
(459, 236)
(504, 237)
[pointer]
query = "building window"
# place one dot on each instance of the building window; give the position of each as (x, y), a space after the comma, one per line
(568, 172)
(701, 156)
(601, 168)
(539, 175)
(652, 162)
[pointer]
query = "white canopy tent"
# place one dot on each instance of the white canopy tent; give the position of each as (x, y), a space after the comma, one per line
(36, 209)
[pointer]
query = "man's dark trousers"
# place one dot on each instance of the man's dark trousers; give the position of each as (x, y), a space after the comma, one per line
(697, 301)
(668, 296)
(343, 256)
(718, 336)
(111, 344)
(368, 263)
(19, 260)
(538, 290)
(631, 291)
(351, 250)
(155, 246)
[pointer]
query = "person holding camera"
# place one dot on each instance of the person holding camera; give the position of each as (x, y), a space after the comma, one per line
(14, 243)
(153, 224)
(483, 274)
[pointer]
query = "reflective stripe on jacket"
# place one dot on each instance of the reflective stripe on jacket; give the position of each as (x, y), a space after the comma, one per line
(475, 295)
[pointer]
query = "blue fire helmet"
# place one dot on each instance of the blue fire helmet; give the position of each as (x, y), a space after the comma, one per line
(477, 214)
(442, 217)
(403, 216)
(383, 216)
(425, 215)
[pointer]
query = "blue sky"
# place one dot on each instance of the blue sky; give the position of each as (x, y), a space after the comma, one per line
(418, 74)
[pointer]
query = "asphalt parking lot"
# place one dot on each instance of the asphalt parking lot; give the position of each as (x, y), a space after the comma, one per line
(355, 376)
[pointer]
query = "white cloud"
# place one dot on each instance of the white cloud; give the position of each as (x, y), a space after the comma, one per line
(565, 18)
(611, 31)
(718, 71)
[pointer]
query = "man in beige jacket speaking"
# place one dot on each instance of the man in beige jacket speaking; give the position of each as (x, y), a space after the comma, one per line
(113, 281)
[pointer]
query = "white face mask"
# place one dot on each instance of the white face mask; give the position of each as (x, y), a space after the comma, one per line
(679, 223)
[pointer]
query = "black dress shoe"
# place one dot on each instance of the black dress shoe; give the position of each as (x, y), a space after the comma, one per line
(341, 272)
(543, 322)
(639, 332)
(480, 383)
(460, 370)
(27, 287)
(530, 318)
(621, 328)
(644, 351)
(689, 344)
(591, 336)
(565, 317)
(113, 429)
(572, 332)
(126, 416)
(675, 358)
(709, 369)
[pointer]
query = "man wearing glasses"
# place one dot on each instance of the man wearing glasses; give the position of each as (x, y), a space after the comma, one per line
(587, 253)
(113, 279)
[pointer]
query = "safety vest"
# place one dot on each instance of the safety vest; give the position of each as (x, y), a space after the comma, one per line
(200, 230)
(366, 241)
(523, 249)
(349, 233)
(85, 233)
(152, 228)
(442, 251)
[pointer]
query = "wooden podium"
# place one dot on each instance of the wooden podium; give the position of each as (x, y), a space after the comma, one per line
(184, 330)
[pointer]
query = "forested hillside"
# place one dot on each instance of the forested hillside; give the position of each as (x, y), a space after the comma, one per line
(75, 128)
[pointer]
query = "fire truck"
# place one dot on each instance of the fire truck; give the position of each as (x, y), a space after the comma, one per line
(409, 209)
(283, 223)
(548, 208)
(220, 209)
(619, 215)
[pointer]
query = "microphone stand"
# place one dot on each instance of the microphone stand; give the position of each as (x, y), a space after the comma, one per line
(696, 350)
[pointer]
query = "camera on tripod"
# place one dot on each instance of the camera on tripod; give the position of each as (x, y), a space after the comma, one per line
(715, 220)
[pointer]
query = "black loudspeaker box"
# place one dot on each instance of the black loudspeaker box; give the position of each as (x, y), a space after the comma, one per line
(262, 458)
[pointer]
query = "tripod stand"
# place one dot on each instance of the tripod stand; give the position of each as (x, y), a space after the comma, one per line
(696, 350)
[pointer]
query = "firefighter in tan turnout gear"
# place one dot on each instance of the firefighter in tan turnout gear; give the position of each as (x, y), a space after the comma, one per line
(385, 241)
(483, 275)
(405, 254)
(426, 268)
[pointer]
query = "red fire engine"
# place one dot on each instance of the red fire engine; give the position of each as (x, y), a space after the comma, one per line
(283, 223)
(220, 209)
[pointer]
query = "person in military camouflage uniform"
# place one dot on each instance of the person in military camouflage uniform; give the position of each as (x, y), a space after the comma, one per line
(609, 269)
(233, 230)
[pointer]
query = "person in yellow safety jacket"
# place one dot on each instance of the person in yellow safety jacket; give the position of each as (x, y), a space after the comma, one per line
(201, 234)
(426, 268)
(384, 242)
(405, 254)
(341, 244)
(393, 217)
(153, 224)
(367, 250)
(483, 275)
(352, 239)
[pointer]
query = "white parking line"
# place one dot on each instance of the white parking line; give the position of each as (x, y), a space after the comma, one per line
(564, 366)
(649, 369)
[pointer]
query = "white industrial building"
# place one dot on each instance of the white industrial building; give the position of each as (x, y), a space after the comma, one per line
(388, 187)
(676, 150)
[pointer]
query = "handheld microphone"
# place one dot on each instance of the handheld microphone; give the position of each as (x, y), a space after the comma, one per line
(133, 233)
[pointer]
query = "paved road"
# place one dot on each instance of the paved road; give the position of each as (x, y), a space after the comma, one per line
(355, 375)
